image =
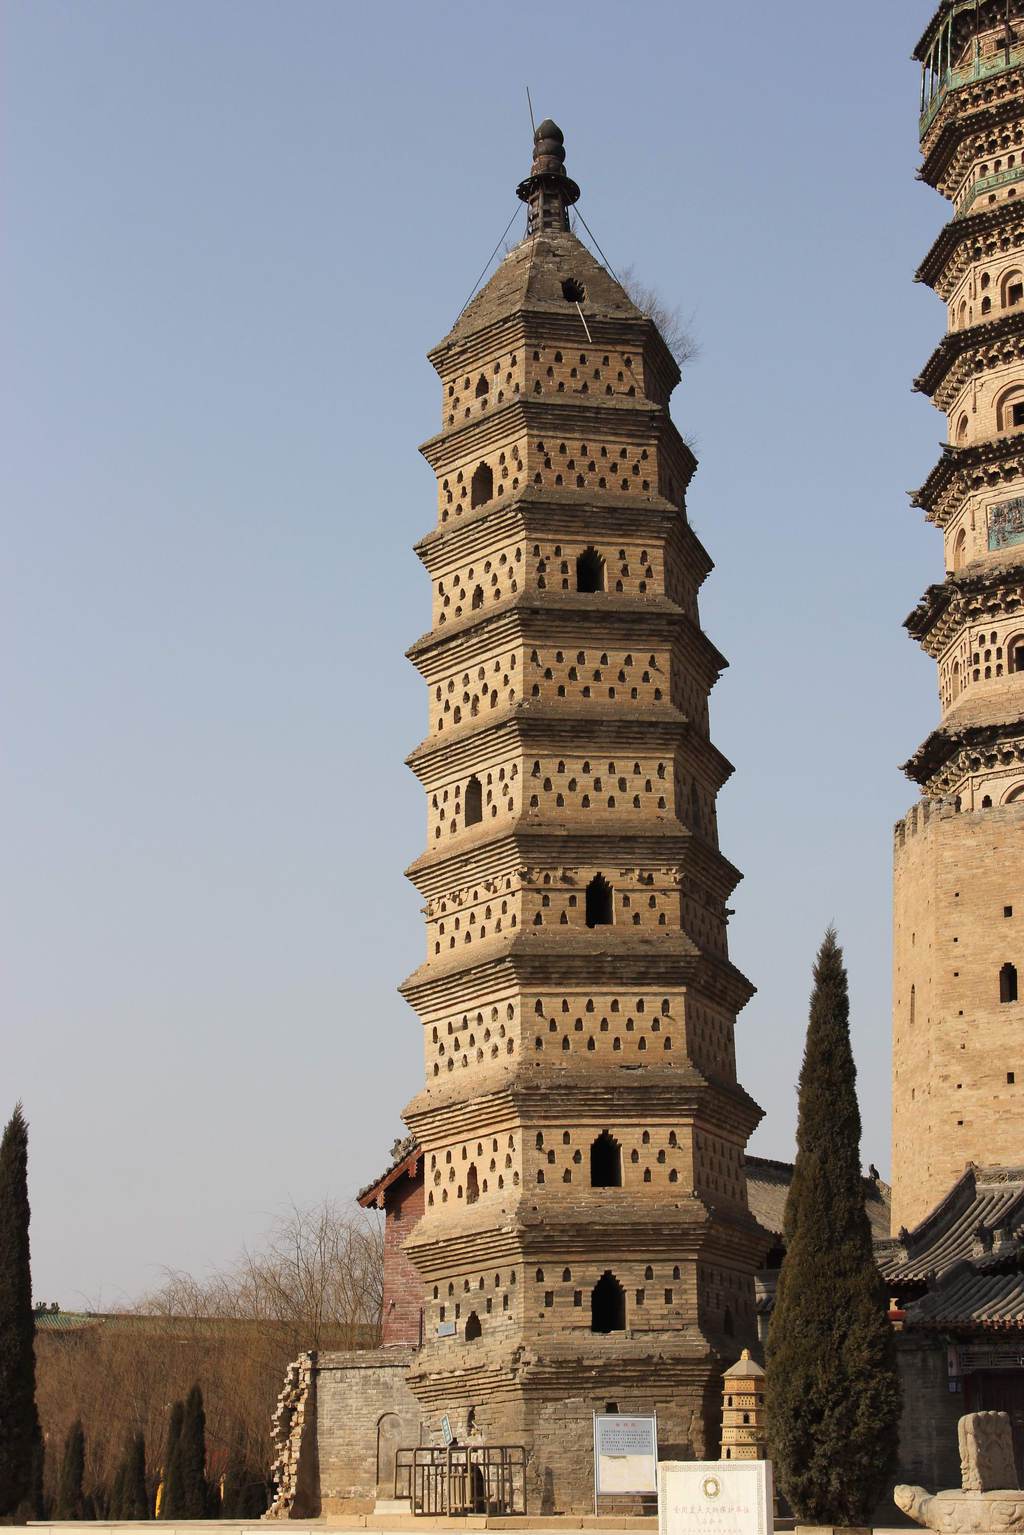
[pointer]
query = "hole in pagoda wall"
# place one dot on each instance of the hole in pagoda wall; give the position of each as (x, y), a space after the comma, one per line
(607, 1305)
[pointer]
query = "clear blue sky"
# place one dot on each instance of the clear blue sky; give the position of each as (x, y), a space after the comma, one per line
(232, 232)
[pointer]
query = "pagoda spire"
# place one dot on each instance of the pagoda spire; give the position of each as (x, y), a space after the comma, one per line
(548, 191)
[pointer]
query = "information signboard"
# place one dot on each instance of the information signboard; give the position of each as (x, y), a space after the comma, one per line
(715, 1497)
(625, 1454)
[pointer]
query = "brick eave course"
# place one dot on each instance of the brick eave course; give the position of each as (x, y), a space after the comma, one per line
(949, 738)
(545, 725)
(958, 342)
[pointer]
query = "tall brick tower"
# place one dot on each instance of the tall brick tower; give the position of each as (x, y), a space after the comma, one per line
(958, 1027)
(585, 1237)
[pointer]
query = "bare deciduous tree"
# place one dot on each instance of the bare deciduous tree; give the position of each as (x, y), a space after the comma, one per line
(675, 331)
(315, 1282)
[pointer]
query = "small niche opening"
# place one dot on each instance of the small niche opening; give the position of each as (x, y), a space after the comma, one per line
(605, 1162)
(608, 1305)
(599, 902)
(1008, 983)
(573, 291)
(473, 1328)
(481, 487)
(590, 571)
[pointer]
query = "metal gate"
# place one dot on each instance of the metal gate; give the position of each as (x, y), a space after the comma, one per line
(462, 1479)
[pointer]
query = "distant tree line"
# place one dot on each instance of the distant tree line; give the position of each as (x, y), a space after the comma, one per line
(222, 1345)
(180, 1486)
(164, 1409)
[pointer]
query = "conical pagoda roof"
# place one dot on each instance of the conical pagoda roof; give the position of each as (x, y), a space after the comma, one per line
(531, 278)
(745, 1368)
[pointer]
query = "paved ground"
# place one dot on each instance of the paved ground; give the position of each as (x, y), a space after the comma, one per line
(360, 1523)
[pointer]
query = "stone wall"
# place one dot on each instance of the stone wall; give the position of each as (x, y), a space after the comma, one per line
(929, 1454)
(364, 1412)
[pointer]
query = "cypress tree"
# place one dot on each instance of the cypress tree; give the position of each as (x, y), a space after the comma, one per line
(244, 1494)
(128, 1496)
(115, 1504)
(192, 1458)
(135, 1494)
(70, 1498)
(33, 1504)
(172, 1502)
(832, 1392)
(253, 1503)
(19, 1423)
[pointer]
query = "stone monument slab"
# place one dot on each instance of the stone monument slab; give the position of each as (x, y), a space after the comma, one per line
(715, 1497)
(986, 1452)
(990, 1500)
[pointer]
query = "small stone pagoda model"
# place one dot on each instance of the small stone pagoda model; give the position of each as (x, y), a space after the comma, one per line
(744, 1435)
(990, 1499)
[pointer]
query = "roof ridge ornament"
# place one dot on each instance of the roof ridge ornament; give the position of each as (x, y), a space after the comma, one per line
(548, 191)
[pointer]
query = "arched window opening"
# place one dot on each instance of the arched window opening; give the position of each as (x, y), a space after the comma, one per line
(1015, 653)
(1010, 409)
(605, 1162)
(986, 803)
(986, 305)
(481, 487)
(474, 802)
(473, 1328)
(472, 1185)
(478, 597)
(481, 387)
(962, 317)
(599, 902)
(1008, 983)
(1015, 794)
(607, 1305)
(960, 550)
(962, 428)
(590, 571)
(1011, 289)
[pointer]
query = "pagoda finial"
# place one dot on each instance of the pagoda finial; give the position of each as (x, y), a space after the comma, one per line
(549, 192)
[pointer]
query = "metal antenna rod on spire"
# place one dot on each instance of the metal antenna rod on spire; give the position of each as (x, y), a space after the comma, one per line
(529, 103)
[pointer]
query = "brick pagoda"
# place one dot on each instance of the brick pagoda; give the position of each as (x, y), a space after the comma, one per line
(959, 855)
(585, 1238)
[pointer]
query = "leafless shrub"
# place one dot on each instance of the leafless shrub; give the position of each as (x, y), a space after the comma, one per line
(675, 331)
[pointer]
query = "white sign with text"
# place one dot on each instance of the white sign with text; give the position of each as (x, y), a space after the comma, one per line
(715, 1497)
(625, 1454)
